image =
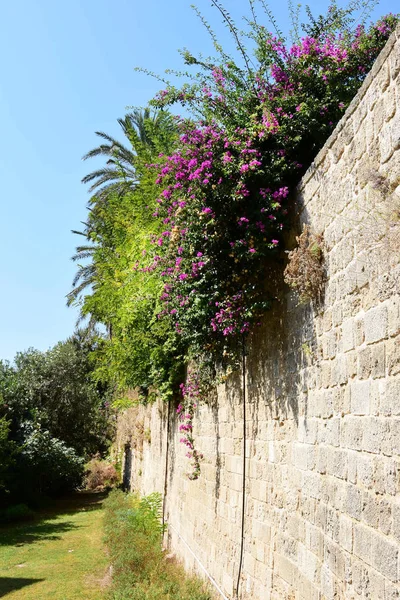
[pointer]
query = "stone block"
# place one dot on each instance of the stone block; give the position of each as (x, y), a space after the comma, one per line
(360, 580)
(328, 583)
(352, 433)
(360, 397)
(370, 510)
(352, 467)
(378, 360)
(390, 104)
(390, 402)
(227, 582)
(394, 63)
(346, 532)
(386, 145)
(383, 79)
(333, 431)
(394, 310)
(337, 463)
(395, 124)
(396, 520)
(385, 516)
(359, 330)
(362, 542)
(393, 356)
(375, 430)
(385, 556)
(321, 460)
(364, 363)
(391, 475)
(376, 585)
(376, 324)
(354, 502)
(351, 364)
(348, 335)
(392, 592)
(395, 435)
(379, 115)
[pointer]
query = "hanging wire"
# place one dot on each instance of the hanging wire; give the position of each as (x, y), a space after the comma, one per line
(244, 466)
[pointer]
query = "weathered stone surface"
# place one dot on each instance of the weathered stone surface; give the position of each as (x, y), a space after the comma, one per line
(322, 489)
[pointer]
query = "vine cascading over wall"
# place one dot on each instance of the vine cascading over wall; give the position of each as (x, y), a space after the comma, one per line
(225, 196)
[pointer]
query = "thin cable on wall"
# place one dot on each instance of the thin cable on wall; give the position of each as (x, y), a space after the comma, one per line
(244, 468)
(166, 467)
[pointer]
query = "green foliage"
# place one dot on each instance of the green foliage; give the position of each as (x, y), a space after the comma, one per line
(46, 464)
(187, 223)
(140, 350)
(133, 534)
(228, 190)
(52, 416)
(17, 512)
(8, 452)
(55, 388)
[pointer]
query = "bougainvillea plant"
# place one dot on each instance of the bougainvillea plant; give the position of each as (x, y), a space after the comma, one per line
(191, 395)
(226, 193)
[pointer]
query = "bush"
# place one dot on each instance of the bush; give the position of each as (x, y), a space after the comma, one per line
(100, 474)
(18, 512)
(133, 532)
(45, 465)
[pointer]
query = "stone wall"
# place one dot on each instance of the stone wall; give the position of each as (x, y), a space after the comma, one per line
(322, 485)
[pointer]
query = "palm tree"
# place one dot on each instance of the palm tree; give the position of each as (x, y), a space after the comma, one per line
(149, 133)
(119, 175)
(86, 273)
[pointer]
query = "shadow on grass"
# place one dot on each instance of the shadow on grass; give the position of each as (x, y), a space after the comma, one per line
(45, 526)
(10, 584)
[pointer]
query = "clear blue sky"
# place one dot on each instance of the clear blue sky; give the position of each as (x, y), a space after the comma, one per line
(67, 71)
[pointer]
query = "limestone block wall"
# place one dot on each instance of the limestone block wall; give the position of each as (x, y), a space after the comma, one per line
(322, 384)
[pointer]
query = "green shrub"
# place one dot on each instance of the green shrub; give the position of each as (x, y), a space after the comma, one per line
(45, 466)
(17, 512)
(133, 532)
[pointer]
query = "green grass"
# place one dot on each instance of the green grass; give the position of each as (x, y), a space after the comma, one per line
(133, 534)
(58, 556)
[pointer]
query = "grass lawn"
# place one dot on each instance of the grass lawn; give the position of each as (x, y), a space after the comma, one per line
(60, 555)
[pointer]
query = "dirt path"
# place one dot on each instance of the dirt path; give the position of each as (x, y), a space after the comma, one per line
(59, 556)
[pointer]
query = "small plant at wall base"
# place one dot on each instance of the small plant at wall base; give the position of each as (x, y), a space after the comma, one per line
(305, 272)
(133, 532)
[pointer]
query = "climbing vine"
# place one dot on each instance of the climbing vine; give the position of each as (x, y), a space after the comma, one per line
(216, 197)
(225, 193)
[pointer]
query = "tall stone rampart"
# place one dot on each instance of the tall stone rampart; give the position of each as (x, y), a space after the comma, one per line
(322, 387)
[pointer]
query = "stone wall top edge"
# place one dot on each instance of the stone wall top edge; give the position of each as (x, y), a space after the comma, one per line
(354, 104)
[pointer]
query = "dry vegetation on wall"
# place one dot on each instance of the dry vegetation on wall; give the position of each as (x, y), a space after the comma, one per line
(100, 474)
(305, 272)
(387, 202)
